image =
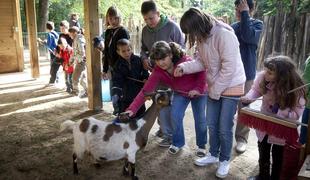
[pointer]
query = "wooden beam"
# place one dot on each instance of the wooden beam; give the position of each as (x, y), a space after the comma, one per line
(32, 38)
(91, 17)
(18, 35)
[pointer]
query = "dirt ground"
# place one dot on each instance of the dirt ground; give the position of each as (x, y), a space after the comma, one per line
(31, 146)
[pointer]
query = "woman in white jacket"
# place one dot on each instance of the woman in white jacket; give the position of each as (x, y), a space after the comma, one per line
(217, 53)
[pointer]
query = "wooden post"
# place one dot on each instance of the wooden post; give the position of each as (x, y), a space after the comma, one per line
(91, 16)
(32, 38)
(18, 35)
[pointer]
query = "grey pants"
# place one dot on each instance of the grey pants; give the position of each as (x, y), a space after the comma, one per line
(242, 131)
(79, 76)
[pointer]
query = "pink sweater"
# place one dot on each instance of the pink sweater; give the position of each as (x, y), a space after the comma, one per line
(267, 103)
(220, 55)
(182, 85)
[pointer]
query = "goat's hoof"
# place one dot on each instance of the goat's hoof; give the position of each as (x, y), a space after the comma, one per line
(125, 171)
(135, 178)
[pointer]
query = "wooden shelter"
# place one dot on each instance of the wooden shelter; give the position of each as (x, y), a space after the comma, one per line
(11, 45)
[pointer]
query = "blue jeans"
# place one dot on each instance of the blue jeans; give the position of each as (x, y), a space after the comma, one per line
(220, 115)
(303, 130)
(165, 121)
(178, 107)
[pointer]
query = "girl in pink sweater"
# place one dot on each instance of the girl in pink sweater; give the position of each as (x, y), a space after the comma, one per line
(279, 77)
(187, 89)
(218, 54)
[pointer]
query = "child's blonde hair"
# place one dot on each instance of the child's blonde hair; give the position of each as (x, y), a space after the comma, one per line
(112, 12)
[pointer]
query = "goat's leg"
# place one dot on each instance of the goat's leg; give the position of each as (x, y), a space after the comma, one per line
(133, 170)
(75, 168)
(125, 168)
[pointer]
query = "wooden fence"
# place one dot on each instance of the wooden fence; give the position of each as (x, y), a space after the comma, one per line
(286, 34)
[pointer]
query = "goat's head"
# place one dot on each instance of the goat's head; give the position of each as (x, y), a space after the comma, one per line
(160, 97)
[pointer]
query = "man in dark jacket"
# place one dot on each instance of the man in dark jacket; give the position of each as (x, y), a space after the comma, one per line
(248, 31)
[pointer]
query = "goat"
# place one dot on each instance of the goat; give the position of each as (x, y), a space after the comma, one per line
(109, 141)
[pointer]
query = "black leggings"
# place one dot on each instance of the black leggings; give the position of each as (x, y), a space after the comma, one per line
(264, 149)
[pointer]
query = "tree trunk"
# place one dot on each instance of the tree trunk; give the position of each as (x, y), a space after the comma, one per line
(42, 15)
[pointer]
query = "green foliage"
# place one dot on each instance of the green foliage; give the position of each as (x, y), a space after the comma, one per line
(61, 9)
(270, 7)
(220, 7)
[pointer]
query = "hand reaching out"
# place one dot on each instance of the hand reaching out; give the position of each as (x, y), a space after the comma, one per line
(178, 72)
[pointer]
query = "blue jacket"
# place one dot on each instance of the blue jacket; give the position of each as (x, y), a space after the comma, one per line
(52, 38)
(248, 31)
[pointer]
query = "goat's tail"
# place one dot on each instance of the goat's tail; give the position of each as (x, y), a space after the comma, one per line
(67, 125)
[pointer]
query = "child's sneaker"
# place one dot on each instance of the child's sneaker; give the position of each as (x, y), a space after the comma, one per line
(165, 142)
(223, 169)
(201, 152)
(173, 149)
(208, 159)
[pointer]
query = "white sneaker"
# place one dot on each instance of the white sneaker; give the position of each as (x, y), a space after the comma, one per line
(208, 159)
(223, 169)
(241, 146)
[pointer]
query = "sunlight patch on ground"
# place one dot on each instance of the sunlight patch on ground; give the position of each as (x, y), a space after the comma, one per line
(21, 89)
(46, 97)
(43, 106)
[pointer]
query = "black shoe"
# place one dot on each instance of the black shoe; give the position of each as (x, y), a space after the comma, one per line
(159, 133)
(166, 142)
(69, 90)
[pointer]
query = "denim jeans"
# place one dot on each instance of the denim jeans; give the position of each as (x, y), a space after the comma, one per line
(220, 115)
(165, 121)
(303, 130)
(178, 107)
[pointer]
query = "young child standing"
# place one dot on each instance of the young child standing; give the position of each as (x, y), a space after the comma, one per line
(189, 88)
(279, 77)
(218, 53)
(78, 58)
(128, 78)
(115, 31)
(51, 44)
(65, 53)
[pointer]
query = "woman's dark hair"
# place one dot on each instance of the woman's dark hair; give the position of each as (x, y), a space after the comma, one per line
(286, 79)
(196, 25)
(50, 25)
(162, 49)
(148, 6)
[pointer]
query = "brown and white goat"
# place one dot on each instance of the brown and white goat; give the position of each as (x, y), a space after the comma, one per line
(109, 141)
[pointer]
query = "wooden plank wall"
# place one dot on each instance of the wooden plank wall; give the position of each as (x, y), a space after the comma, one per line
(8, 53)
(286, 35)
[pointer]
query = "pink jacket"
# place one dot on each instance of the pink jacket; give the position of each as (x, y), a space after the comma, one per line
(267, 103)
(220, 55)
(182, 85)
